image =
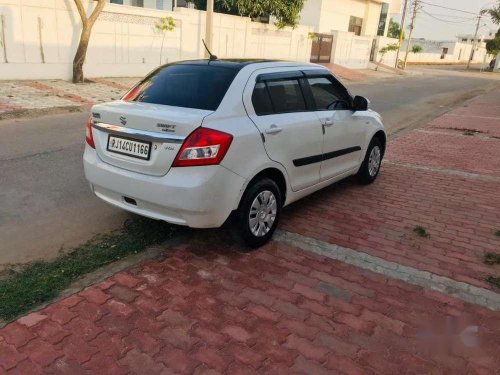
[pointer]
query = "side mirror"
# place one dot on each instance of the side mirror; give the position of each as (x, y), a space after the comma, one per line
(361, 103)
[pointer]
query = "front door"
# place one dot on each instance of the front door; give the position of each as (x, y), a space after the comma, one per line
(291, 131)
(342, 128)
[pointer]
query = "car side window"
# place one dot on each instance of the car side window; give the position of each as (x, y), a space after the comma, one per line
(261, 100)
(328, 96)
(286, 95)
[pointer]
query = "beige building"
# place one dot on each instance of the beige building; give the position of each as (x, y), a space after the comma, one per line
(361, 17)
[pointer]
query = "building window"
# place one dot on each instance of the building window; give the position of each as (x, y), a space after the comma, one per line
(116, 2)
(355, 25)
(137, 3)
(384, 12)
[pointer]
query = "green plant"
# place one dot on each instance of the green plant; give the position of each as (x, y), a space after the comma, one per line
(40, 282)
(421, 231)
(497, 233)
(493, 46)
(416, 48)
(383, 51)
(494, 13)
(394, 30)
(491, 258)
(286, 11)
(495, 281)
(164, 25)
(470, 132)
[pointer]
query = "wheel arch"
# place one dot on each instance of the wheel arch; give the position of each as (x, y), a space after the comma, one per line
(380, 135)
(274, 174)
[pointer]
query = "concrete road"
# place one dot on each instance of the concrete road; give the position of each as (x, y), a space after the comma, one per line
(46, 205)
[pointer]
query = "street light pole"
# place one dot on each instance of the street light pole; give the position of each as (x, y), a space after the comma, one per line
(412, 26)
(474, 40)
(209, 26)
(402, 32)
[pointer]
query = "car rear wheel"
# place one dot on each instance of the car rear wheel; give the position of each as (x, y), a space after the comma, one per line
(370, 168)
(259, 213)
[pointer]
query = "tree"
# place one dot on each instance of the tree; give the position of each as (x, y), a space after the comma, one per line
(493, 46)
(494, 13)
(286, 11)
(220, 6)
(383, 51)
(163, 25)
(87, 24)
(416, 48)
(394, 29)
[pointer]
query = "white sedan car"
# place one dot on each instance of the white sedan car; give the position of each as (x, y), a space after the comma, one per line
(196, 142)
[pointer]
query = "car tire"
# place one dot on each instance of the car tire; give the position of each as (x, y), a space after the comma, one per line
(259, 213)
(370, 167)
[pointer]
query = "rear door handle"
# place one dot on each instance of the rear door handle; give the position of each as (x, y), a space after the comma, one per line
(273, 129)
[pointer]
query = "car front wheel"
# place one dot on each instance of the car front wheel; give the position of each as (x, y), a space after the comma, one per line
(259, 212)
(370, 168)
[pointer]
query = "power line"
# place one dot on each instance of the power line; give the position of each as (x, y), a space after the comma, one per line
(452, 16)
(448, 21)
(443, 7)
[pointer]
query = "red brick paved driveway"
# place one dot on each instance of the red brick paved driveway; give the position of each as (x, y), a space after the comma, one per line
(208, 308)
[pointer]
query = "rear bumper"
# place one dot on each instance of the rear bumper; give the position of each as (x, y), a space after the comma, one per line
(199, 197)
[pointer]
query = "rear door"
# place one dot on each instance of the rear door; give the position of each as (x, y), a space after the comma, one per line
(292, 134)
(343, 130)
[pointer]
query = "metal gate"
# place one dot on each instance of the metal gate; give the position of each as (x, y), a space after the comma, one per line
(321, 50)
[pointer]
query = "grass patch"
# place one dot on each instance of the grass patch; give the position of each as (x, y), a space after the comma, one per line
(491, 258)
(42, 281)
(495, 281)
(470, 132)
(421, 231)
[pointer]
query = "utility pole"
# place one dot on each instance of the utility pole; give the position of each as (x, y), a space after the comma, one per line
(475, 37)
(416, 4)
(209, 26)
(402, 33)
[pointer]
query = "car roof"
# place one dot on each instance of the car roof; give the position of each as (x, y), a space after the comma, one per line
(239, 64)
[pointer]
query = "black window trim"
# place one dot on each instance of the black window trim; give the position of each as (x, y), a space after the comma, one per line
(319, 73)
(294, 75)
(302, 77)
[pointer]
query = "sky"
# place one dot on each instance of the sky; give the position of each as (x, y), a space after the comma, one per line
(447, 24)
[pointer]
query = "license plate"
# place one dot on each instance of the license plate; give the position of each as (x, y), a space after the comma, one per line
(129, 147)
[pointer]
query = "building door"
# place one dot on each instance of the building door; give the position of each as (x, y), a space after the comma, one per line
(445, 52)
(321, 50)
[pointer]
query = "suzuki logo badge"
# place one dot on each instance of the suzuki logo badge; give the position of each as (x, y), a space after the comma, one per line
(123, 120)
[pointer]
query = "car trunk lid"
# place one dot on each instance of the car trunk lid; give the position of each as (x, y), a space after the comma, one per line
(142, 137)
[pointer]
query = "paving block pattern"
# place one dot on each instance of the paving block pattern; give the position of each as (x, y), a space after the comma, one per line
(340, 302)
(457, 203)
(24, 95)
(344, 72)
(449, 150)
(207, 308)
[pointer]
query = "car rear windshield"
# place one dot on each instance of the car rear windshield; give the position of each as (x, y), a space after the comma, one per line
(188, 85)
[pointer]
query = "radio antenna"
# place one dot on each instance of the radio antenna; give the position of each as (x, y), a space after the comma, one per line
(212, 56)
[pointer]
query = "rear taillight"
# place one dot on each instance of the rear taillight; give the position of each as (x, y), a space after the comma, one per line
(203, 147)
(89, 138)
(132, 93)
